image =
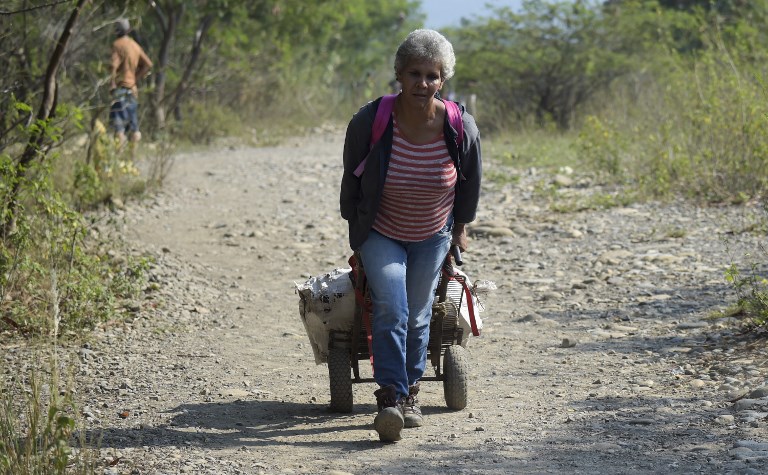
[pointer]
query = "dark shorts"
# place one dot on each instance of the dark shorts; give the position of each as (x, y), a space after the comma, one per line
(123, 115)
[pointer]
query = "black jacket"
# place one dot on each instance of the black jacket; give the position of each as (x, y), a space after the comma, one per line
(360, 197)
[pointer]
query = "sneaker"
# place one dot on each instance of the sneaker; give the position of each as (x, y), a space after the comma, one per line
(411, 410)
(389, 421)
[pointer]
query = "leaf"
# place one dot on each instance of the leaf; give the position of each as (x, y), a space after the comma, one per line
(22, 107)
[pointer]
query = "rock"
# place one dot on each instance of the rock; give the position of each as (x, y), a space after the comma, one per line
(521, 230)
(662, 258)
(539, 281)
(490, 231)
(568, 343)
(550, 296)
(237, 393)
(741, 453)
(641, 421)
(535, 318)
(744, 404)
(725, 420)
(607, 447)
(752, 445)
(117, 203)
(759, 393)
(735, 394)
(600, 333)
(573, 233)
(562, 181)
(614, 257)
(653, 299)
(692, 325)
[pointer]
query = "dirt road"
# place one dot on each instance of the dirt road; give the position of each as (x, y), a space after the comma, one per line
(597, 356)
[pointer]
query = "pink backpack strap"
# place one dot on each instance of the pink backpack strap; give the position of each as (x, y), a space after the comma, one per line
(380, 123)
(454, 118)
(382, 117)
(384, 111)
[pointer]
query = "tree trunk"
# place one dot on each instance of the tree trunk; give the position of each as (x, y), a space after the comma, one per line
(45, 112)
(197, 43)
(168, 18)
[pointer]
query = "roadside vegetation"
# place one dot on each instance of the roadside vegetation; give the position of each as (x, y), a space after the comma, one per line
(654, 99)
(665, 97)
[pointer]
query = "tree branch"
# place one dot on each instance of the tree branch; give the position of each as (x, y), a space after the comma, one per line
(32, 8)
(181, 88)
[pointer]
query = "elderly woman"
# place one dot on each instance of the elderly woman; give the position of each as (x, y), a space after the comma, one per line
(418, 188)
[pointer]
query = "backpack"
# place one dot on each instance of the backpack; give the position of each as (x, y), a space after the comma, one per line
(381, 121)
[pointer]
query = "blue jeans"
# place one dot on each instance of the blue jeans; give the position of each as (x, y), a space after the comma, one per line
(124, 112)
(402, 277)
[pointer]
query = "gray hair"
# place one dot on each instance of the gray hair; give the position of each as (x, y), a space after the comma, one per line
(426, 45)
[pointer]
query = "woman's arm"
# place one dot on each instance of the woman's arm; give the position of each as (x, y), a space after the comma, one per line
(468, 190)
(355, 149)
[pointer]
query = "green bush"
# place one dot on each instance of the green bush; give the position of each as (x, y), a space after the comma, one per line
(603, 148)
(752, 292)
(204, 122)
(696, 128)
(55, 286)
(38, 423)
(51, 280)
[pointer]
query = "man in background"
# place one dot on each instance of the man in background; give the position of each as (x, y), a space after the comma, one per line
(129, 64)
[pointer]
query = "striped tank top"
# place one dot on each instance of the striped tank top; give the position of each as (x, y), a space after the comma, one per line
(419, 190)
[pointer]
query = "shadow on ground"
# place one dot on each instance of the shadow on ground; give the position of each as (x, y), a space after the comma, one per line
(259, 423)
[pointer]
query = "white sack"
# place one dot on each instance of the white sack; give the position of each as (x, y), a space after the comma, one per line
(327, 302)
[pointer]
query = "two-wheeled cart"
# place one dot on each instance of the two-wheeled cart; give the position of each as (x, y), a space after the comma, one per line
(446, 350)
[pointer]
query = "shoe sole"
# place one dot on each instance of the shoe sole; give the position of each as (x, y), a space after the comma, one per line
(411, 422)
(388, 423)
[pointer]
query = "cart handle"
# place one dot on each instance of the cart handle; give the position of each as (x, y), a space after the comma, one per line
(456, 253)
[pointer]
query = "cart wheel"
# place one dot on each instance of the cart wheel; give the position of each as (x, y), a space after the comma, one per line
(341, 381)
(456, 382)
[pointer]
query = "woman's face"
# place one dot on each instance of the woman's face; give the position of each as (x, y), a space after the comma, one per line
(420, 80)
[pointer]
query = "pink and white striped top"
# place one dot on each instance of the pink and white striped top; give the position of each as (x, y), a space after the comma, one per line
(419, 190)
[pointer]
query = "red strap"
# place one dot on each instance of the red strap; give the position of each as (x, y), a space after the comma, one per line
(470, 308)
(365, 307)
(381, 121)
(368, 333)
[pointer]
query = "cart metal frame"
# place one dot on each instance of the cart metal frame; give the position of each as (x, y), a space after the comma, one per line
(449, 359)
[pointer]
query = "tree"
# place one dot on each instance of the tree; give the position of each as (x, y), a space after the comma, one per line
(168, 14)
(547, 60)
(46, 110)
